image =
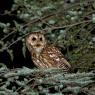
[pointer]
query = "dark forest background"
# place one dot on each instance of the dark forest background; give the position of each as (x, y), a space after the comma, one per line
(67, 24)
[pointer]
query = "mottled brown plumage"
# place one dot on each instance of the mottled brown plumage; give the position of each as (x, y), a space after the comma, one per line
(43, 54)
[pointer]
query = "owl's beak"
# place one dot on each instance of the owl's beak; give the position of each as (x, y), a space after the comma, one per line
(38, 45)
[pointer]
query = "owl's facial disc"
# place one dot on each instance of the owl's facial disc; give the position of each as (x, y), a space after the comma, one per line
(37, 42)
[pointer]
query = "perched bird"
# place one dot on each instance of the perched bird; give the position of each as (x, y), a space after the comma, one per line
(43, 54)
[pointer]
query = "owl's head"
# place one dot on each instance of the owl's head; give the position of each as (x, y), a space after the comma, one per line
(36, 41)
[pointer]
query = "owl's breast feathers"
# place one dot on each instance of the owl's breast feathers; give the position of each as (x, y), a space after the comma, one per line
(52, 57)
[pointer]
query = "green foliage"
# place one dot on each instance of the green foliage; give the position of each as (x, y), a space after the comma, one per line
(34, 82)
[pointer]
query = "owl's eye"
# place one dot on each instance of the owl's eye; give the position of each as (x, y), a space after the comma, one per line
(41, 39)
(33, 39)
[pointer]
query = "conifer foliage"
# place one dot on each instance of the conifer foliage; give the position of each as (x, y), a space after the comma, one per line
(69, 25)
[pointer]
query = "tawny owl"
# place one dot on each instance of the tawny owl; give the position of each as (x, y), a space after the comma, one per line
(43, 54)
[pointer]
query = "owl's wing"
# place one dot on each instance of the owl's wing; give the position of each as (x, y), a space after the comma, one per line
(55, 58)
